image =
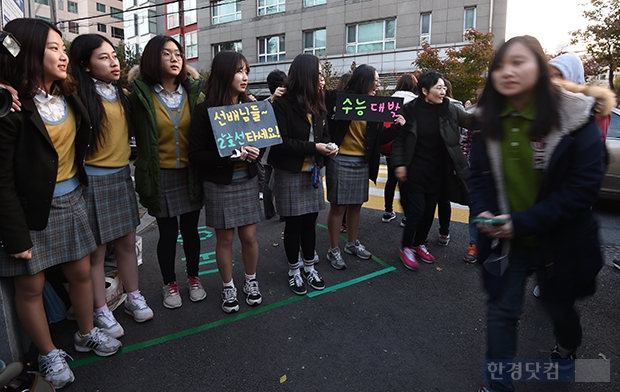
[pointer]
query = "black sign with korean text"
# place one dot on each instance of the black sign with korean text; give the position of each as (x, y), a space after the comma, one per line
(367, 107)
(247, 124)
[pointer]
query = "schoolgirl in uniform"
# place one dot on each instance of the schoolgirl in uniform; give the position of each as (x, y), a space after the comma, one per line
(230, 183)
(305, 140)
(110, 196)
(43, 218)
(162, 100)
(348, 173)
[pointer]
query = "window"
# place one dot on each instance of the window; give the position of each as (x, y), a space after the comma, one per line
(191, 45)
(116, 13)
(42, 18)
(129, 3)
(425, 28)
(61, 5)
(189, 12)
(74, 28)
(235, 46)
(44, 2)
(226, 11)
(270, 6)
(311, 3)
(172, 9)
(469, 18)
(371, 36)
(314, 42)
(117, 33)
(131, 24)
(102, 28)
(72, 7)
(148, 22)
(100, 7)
(271, 49)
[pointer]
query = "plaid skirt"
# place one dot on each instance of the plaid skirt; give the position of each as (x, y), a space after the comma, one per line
(347, 182)
(66, 238)
(175, 194)
(234, 205)
(295, 194)
(112, 206)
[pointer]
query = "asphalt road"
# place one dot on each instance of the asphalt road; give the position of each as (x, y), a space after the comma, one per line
(376, 327)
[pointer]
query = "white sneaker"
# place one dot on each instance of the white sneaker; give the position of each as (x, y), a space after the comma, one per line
(97, 341)
(54, 368)
(138, 309)
(107, 323)
(196, 291)
(172, 299)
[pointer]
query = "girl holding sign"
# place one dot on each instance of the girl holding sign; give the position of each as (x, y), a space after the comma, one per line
(110, 196)
(162, 101)
(230, 183)
(297, 163)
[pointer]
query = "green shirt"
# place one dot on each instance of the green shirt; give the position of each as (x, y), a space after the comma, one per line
(522, 169)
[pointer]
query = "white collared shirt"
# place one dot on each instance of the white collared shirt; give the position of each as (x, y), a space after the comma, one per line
(172, 99)
(51, 108)
(106, 90)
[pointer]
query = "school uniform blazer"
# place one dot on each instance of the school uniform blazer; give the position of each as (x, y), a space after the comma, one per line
(28, 170)
(203, 151)
(295, 131)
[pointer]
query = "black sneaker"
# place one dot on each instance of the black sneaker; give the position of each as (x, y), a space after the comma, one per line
(314, 280)
(229, 300)
(253, 295)
(555, 353)
(296, 283)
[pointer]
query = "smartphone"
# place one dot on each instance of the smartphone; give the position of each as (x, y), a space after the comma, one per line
(490, 221)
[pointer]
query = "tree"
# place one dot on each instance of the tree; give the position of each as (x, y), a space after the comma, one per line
(602, 35)
(464, 67)
(128, 58)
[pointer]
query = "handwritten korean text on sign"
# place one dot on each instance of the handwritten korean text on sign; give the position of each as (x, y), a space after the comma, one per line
(367, 107)
(248, 124)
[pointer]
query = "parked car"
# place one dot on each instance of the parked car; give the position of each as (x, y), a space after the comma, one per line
(611, 184)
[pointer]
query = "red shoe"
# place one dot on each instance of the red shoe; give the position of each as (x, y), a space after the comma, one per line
(423, 254)
(407, 256)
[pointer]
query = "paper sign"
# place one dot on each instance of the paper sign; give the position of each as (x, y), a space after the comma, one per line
(367, 107)
(247, 124)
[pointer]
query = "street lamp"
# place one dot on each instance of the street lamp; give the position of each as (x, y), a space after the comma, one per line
(8, 46)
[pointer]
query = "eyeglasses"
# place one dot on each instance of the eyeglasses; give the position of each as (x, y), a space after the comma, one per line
(440, 88)
(168, 56)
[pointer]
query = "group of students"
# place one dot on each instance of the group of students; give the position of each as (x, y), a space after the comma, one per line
(66, 191)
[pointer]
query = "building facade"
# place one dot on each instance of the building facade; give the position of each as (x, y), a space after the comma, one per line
(77, 17)
(386, 34)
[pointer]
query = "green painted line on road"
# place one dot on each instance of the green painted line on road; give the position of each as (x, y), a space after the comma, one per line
(230, 319)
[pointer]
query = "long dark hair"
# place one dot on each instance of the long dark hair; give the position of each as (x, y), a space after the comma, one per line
(150, 62)
(492, 103)
(224, 66)
(25, 72)
(303, 84)
(407, 82)
(79, 57)
(362, 80)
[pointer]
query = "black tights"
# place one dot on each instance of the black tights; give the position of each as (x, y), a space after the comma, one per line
(166, 246)
(300, 230)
